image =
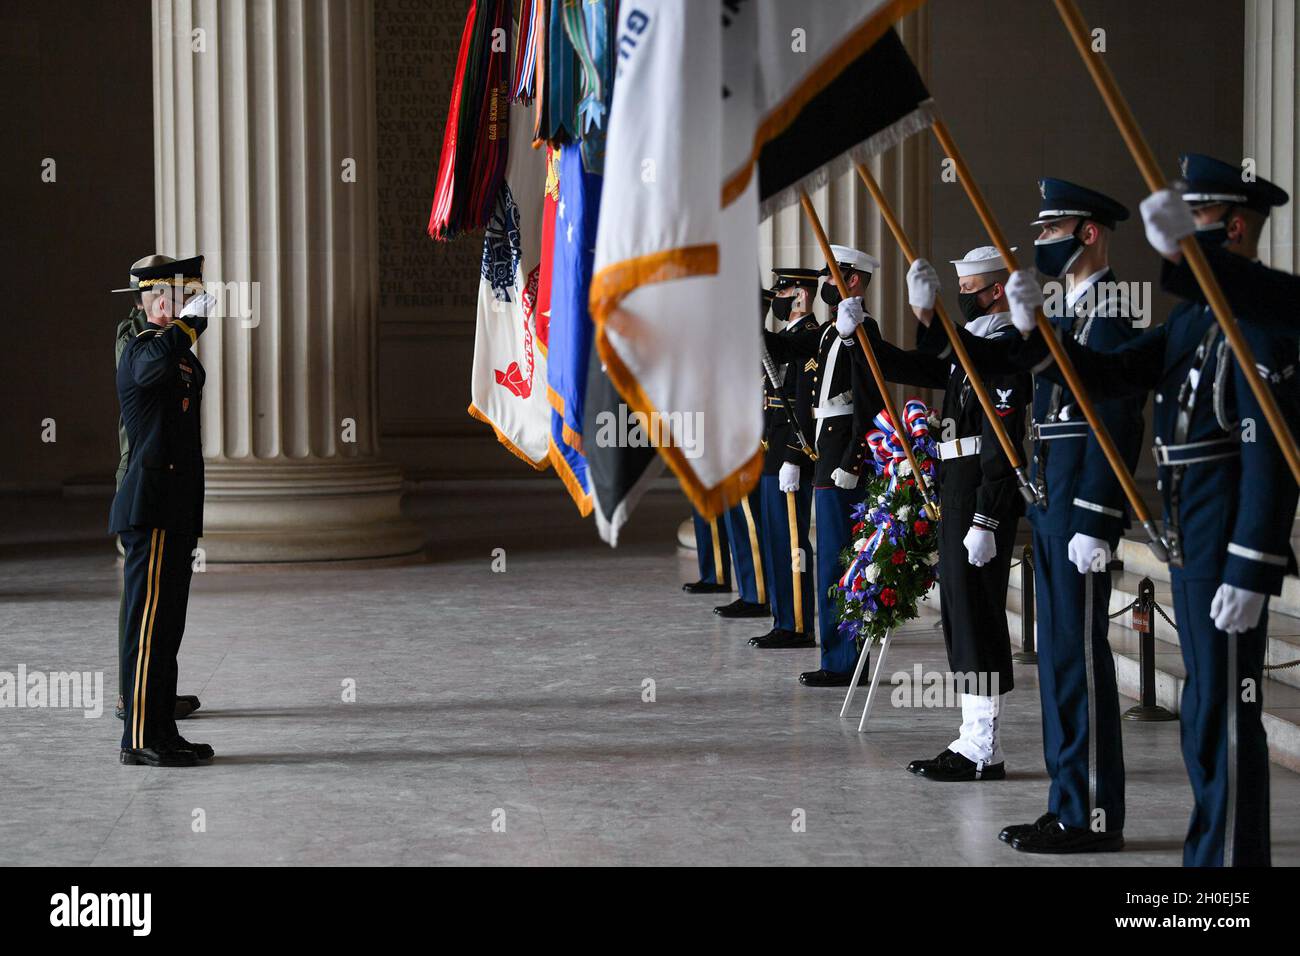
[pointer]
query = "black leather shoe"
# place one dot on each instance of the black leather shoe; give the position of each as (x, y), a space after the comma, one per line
(950, 767)
(1058, 838)
(1016, 829)
(779, 639)
(201, 751)
(186, 704)
(824, 678)
(164, 755)
(742, 608)
(705, 587)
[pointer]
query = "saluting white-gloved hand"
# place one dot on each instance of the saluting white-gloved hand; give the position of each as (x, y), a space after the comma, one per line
(1088, 553)
(922, 284)
(787, 478)
(1235, 610)
(844, 479)
(981, 546)
(848, 316)
(1168, 220)
(1026, 297)
(199, 306)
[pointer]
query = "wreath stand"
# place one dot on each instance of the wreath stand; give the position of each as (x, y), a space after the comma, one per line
(875, 679)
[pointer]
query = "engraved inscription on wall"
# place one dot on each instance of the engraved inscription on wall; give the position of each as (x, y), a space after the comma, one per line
(416, 42)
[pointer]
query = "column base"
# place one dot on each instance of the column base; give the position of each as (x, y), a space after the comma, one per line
(286, 511)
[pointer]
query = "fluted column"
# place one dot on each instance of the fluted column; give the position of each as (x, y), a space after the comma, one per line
(265, 164)
(1272, 118)
(852, 219)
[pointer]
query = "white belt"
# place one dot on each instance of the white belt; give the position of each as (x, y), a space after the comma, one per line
(959, 448)
(841, 404)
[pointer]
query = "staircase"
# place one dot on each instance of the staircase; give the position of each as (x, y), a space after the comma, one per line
(1281, 688)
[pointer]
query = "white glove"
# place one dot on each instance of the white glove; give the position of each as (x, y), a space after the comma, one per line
(199, 305)
(1168, 219)
(1235, 610)
(844, 479)
(788, 477)
(981, 546)
(1026, 298)
(1088, 553)
(848, 316)
(922, 284)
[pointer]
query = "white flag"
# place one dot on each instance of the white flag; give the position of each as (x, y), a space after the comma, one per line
(508, 379)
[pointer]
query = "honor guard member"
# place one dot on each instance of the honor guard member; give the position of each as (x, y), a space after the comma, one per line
(843, 403)
(713, 556)
(786, 484)
(980, 501)
(1228, 500)
(1078, 525)
(158, 510)
(745, 532)
(127, 329)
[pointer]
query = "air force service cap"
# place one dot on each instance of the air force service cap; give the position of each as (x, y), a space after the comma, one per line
(1207, 180)
(1066, 200)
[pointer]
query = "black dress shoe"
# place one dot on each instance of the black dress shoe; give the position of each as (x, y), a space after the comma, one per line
(1010, 833)
(778, 639)
(705, 587)
(824, 678)
(186, 704)
(1058, 838)
(742, 608)
(166, 754)
(201, 751)
(951, 767)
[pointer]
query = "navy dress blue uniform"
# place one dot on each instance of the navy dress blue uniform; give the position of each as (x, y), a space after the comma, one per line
(786, 517)
(158, 513)
(1082, 747)
(841, 401)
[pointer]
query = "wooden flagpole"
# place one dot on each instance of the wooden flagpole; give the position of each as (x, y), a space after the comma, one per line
(900, 426)
(1062, 360)
(1146, 161)
(1027, 489)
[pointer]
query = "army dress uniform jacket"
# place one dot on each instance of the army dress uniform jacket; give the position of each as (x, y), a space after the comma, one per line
(789, 349)
(160, 388)
(838, 398)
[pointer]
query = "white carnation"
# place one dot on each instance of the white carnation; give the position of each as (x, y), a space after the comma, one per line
(904, 468)
(932, 558)
(873, 573)
(904, 513)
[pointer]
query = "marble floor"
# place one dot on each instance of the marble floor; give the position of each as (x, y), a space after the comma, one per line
(500, 717)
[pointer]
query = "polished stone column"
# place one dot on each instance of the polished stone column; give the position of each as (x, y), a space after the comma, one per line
(265, 161)
(1272, 118)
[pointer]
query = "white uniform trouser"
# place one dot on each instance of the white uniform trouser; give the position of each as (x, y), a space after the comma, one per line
(979, 741)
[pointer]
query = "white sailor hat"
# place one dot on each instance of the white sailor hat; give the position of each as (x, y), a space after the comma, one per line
(979, 261)
(847, 258)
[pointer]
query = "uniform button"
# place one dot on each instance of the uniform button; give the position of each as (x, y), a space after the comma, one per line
(1159, 398)
(171, 467)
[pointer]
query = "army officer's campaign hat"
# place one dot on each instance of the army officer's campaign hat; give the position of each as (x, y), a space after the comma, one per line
(1207, 180)
(158, 270)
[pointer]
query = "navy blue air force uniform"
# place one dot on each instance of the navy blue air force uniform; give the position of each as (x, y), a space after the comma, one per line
(1080, 698)
(838, 401)
(977, 488)
(1229, 499)
(158, 513)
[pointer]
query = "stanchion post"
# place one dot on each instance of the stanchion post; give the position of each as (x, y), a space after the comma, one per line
(1144, 622)
(1028, 653)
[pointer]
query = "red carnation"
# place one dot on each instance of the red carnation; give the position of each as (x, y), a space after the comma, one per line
(898, 557)
(888, 597)
(922, 528)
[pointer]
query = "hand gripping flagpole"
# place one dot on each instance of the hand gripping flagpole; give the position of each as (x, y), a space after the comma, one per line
(1027, 489)
(1081, 398)
(1146, 162)
(865, 344)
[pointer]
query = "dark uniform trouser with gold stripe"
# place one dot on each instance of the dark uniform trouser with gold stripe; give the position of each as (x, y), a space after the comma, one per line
(157, 589)
(712, 550)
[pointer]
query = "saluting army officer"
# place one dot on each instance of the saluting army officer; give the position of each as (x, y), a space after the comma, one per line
(1229, 497)
(127, 329)
(980, 502)
(158, 510)
(843, 403)
(785, 487)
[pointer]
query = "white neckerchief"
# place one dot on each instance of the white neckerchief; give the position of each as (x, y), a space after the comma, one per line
(985, 326)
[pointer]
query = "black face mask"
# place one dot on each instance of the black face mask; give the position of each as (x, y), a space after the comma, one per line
(1052, 257)
(781, 307)
(969, 302)
(1213, 234)
(829, 294)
